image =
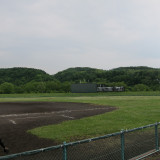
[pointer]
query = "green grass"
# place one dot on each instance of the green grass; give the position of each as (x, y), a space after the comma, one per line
(33, 95)
(132, 111)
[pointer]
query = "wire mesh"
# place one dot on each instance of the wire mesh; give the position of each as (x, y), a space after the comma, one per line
(139, 142)
(108, 148)
(136, 142)
(55, 154)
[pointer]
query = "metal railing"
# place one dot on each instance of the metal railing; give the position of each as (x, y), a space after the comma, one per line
(131, 144)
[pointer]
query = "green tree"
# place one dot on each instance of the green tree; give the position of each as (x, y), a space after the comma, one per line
(66, 87)
(141, 87)
(53, 86)
(19, 89)
(35, 87)
(6, 88)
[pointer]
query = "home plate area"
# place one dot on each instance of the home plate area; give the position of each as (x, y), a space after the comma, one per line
(18, 117)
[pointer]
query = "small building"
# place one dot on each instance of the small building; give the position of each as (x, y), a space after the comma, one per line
(105, 89)
(119, 89)
(84, 88)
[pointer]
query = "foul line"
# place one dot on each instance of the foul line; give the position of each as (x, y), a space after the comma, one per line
(47, 113)
(12, 121)
(33, 117)
(67, 116)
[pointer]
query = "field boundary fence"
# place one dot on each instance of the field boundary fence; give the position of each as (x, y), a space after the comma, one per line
(133, 144)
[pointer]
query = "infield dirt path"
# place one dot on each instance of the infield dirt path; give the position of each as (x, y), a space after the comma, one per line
(18, 117)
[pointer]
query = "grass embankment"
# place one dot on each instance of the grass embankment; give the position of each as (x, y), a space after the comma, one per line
(35, 95)
(133, 111)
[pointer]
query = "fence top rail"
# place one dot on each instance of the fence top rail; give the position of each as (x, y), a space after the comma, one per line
(92, 139)
(143, 127)
(30, 152)
(74, 143)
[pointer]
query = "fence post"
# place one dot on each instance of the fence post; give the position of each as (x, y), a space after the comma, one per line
(122, 145)
(156, 137)
(64, 151)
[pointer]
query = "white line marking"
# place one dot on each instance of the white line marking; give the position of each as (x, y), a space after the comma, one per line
(25, 114)
(32, 117)
(67, 116)
(47, 113)
(34, 114)
(12, 121)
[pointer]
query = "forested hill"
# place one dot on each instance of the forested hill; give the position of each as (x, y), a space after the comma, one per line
(121, 74)
(79, 74)
(29, 80)
(141, 76)
(20, 76)
(139, 68)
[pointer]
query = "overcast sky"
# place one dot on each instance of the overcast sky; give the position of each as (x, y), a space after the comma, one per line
(54, 35)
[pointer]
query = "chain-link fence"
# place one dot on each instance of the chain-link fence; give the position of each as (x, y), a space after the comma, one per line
(127, 144)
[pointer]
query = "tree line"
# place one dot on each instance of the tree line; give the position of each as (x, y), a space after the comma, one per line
(139, 78)
(35, 87)
(30, 80)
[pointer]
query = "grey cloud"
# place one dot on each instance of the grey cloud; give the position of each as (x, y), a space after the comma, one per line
(103, 34)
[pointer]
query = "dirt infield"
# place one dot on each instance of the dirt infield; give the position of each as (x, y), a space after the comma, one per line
(18, 117)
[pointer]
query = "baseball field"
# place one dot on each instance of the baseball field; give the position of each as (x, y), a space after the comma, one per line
(35, 121)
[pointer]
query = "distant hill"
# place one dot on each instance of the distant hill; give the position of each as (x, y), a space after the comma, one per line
(133, 68)
(78, 74)
(144, 77)
(129, 76)
(19, 76)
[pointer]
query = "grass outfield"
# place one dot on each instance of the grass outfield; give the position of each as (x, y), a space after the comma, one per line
(30, 95)
(132, 111)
